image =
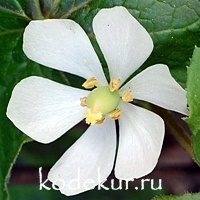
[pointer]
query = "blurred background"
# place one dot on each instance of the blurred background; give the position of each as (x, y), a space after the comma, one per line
(175, 168)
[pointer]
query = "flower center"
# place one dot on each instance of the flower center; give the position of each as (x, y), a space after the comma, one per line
(103, 100)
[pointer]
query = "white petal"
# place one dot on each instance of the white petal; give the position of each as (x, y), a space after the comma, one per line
(43, 109)
(88, 162)
(141, 134)
(156, 85)
(62, 44)
(124, 42)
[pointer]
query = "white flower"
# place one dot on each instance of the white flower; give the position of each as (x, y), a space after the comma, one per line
(45, 110)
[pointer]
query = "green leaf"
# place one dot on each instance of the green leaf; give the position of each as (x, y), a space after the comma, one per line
(13, 67)
(173, 24)
(186, 196)
(11, 140)
(193, 96)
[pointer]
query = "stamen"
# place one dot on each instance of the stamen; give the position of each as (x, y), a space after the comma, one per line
(127, 96)
(114, 84)
(90, 83)
(93, 118)
(83, 101)
(101, 120)
(115, 114)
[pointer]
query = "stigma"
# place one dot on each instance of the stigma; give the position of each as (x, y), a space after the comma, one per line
(103, 101)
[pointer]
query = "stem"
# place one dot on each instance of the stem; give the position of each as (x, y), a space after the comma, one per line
(55, 5)
(179, 133)
(74, 9)
(38, 13)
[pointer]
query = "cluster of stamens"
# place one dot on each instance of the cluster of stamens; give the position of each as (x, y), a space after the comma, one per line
(103, 100)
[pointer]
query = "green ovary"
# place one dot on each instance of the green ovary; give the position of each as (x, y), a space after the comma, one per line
(103, 100)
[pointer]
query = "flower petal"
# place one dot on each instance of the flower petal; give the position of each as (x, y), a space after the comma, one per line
(62, 44)
(88, 162)
(156, 85)
(124, 42)
(43, 109)
(141, 134)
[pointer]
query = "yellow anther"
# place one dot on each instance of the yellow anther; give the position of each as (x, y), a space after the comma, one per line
(90, 83)
(127, 96)
(115, 114)
(114, 84)
(83, 101)
(101, 120)
(93, 118)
